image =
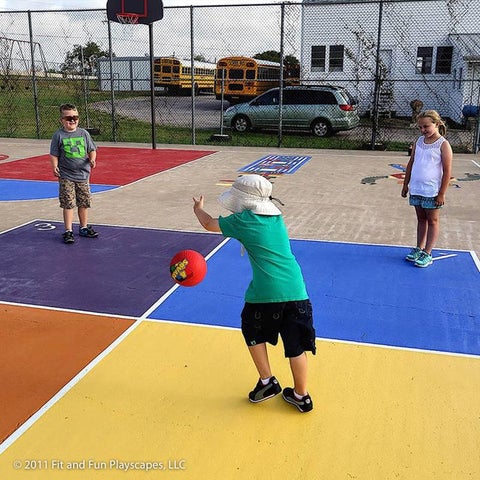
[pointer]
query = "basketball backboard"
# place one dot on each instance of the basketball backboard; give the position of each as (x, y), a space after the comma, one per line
(135, 11)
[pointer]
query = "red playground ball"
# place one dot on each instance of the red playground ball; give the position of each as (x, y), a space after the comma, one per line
(188, 268)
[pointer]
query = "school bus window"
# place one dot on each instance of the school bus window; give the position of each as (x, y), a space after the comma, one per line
(235, 74)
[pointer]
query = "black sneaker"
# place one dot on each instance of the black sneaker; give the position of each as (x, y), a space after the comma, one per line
(304, 405)
(88, 232)
(68, 237)
(263, 392)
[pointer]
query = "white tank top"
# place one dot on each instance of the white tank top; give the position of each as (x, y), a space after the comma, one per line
(427, 169)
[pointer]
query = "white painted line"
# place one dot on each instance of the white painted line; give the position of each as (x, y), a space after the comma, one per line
(68, 310)
(475, 259)
(441, 257)
(394, 347)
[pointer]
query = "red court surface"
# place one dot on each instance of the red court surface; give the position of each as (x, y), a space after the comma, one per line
(42, 350)
(115, 165)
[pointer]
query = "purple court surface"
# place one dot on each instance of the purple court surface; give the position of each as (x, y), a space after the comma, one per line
(123, 272)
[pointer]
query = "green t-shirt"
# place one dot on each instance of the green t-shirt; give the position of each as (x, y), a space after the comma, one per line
(277, 276)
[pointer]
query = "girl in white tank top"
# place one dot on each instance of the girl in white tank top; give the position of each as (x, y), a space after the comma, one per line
(427, 178)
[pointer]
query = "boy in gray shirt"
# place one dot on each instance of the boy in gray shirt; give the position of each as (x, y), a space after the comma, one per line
(72, 156)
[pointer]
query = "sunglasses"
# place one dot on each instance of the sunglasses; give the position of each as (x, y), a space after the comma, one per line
(72, 118)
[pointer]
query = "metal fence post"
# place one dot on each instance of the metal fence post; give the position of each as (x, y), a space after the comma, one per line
(34, 77)
(152, 86)
(112, 86)
(376, 91)
(280, 99)
(192, 75)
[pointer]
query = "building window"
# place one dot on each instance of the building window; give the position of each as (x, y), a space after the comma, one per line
(318, 59)
(335, 63)
(424, 60)
(443, 62)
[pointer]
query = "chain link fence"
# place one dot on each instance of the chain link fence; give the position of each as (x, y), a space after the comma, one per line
(378, 51)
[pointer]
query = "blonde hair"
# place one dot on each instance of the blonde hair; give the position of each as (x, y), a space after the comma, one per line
(436, 119)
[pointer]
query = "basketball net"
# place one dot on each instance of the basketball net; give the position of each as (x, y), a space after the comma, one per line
(127, 18)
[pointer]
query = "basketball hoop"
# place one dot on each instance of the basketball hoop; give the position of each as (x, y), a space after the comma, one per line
(128, 18)
(132, 12)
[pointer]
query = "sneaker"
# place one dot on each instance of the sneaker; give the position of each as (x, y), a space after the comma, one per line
(423, 260)
(68, 237)
(304, 405)
(88, 232)
(413, 255)
(263, 392)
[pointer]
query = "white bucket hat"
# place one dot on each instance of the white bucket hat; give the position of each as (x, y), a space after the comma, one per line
(250, 192)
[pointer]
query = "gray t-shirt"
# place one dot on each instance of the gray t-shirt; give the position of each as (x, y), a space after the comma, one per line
(72, 149)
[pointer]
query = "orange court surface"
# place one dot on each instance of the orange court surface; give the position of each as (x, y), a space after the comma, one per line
(110, 370)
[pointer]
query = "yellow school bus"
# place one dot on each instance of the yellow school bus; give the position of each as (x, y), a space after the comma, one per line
(242, 78)
(175, 75)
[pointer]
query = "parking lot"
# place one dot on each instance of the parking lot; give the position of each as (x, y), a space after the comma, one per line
(170, 110)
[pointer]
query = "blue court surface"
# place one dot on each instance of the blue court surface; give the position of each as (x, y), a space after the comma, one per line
(360, 293)
(12, 190)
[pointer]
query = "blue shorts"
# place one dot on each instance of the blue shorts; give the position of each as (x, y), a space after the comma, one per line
(424, 202)
(262, 322)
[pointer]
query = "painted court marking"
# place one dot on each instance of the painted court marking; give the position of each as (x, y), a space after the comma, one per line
(276, 164)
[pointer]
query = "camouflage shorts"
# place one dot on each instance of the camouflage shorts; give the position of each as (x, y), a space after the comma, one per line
(74, 194)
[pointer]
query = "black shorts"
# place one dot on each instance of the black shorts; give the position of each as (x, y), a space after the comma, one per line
(262, 322)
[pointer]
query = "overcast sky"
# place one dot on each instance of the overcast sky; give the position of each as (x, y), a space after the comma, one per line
(8, 5)
(237, 31)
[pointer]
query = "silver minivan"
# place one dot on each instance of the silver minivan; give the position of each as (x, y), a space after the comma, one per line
(322, 109)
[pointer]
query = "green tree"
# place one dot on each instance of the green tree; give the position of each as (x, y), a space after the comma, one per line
(290, 62)
(83, 59)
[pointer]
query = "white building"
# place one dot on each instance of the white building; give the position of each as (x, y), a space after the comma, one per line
(429, 50)
(128, 74)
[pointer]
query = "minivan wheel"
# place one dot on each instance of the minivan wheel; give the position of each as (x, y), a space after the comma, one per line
(241, 123)
(321, 128)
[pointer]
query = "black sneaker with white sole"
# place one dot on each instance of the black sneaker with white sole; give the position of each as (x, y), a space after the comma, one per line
(305, 404)
(263, 392)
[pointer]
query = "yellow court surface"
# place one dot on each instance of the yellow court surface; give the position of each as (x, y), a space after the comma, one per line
(172, 399)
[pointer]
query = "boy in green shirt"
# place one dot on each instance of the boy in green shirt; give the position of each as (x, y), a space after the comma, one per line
(276, 300)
